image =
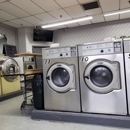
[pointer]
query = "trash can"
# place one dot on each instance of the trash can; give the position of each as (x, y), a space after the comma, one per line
(37, 87)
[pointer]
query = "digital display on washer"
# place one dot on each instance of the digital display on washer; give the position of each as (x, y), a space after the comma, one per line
(117, 46)
(73, 51)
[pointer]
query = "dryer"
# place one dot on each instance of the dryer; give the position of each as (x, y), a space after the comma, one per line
(61, 83)
(102, 79)
(9, 83)
(127, 68)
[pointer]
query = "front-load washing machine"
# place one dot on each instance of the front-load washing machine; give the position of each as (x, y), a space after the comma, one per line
(102, 79)
(127, 68)
(61, 83)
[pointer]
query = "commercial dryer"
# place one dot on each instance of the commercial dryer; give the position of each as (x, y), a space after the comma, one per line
(127, 68)
(61, 82)
(102, 79)
(9, 83)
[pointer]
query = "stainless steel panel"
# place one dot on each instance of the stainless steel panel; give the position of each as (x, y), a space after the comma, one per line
(110, 103)
(127, 71)
(68, 101)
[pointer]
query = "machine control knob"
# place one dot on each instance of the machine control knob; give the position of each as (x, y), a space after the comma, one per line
(102, 51)
(61, 54)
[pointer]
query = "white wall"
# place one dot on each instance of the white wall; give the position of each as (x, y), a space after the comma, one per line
(92, 33)
(25, 35)
(10, 33)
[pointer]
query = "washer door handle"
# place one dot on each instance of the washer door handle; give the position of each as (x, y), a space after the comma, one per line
(87, 77)
(48, 77)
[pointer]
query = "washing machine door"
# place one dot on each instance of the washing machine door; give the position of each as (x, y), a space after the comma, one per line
(102, 76)
(60, 77)
(9, 67)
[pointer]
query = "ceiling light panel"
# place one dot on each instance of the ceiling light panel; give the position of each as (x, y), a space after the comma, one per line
(98, 19)
(109, 5)
(21, 22)
(12, 9)
(12, 24)
(66, 3)
(46, 18)
(28, 6)
(124, 4)
(60, 15)
(67, 22)
(75, 11)
(33, 20)
(47, 5)
(6, 16)
(117, 12)
(112, 18)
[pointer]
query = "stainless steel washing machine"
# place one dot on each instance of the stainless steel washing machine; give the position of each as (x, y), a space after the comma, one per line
(102, 79)
(127, 68)
(61, 82)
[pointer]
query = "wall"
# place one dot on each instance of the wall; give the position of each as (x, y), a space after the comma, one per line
(10, 33)
(92, 33)
(25, 36)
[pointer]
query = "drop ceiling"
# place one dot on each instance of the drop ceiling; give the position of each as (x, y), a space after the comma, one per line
(31, 13)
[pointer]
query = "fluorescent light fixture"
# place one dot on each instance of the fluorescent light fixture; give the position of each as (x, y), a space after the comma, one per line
(67, 22)
(117, 12)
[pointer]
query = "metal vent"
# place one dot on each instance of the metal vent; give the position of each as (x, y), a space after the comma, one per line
(91, 5)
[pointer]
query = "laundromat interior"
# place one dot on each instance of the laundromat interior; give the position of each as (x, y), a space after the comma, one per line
(64, 64)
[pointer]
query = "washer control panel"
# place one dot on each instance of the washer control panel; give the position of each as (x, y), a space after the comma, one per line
(102, 48)
(60, 52)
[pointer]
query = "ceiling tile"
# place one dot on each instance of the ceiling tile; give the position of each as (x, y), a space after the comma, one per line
(58, 13)
(2, 1)
(98, 19)
(75, 11)
(112, 18)
(12, 24)
(45, 4)
(1, 20)
(28, 6)
(66, 3)
(33, 20)
(21, 22)
(109, 5)
(85, 1)
(46, 18)
(84, 22)
(12, 9)
(124, 4)
(72, 25)
(6, 16)
(125, 15)
(93, 11)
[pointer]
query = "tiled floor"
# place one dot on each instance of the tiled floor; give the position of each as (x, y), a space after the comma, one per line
(12, 118)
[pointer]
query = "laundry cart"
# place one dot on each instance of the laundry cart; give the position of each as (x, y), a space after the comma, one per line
(29, 72)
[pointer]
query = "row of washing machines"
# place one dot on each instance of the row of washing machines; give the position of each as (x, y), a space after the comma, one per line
(91, 78)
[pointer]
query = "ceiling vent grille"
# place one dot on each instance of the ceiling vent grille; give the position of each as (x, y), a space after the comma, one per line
(91, 5)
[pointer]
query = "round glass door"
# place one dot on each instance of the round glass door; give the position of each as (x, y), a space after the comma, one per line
(60, 77)
(101, 76)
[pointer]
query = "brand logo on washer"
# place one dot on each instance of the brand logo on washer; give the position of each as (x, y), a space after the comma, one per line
(100, 63)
